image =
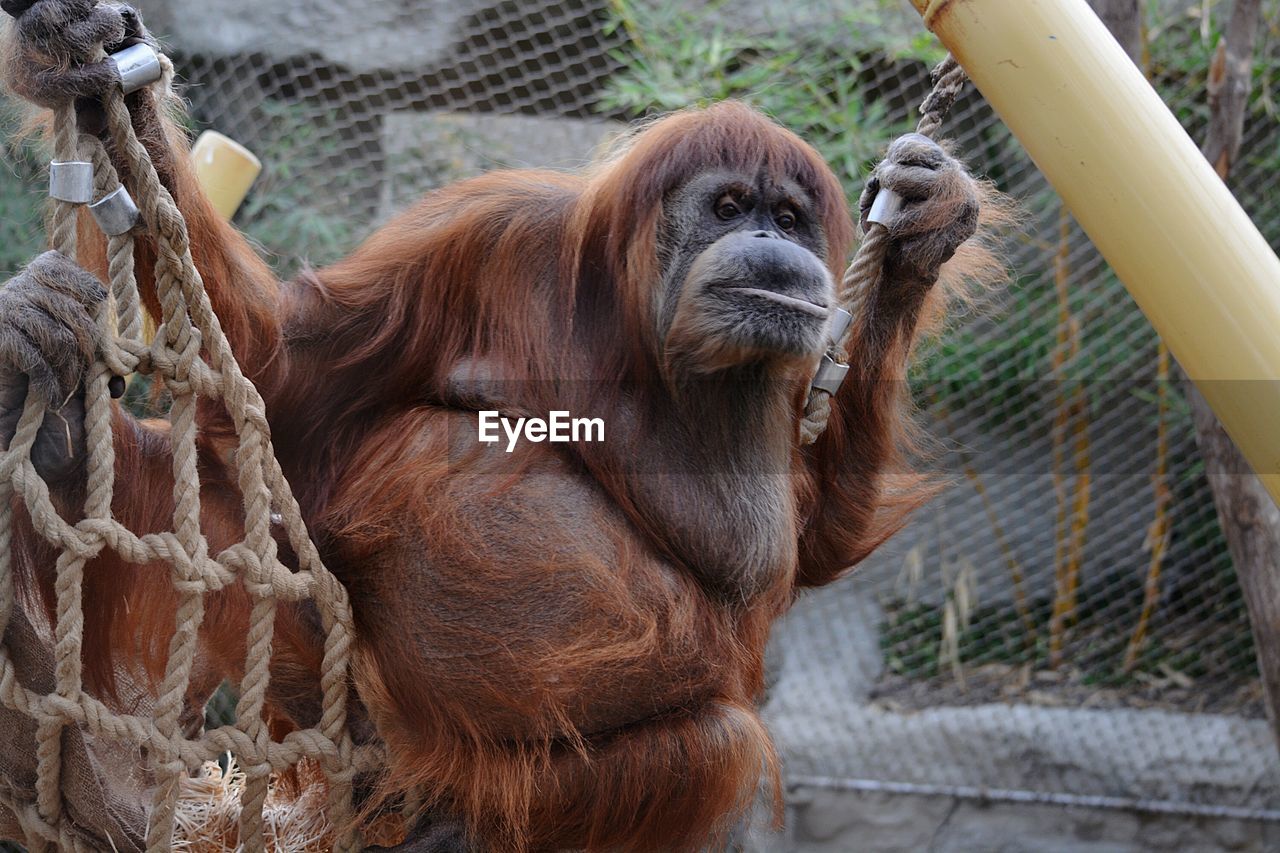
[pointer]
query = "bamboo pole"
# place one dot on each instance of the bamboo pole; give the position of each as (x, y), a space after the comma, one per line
(1193, 261)
(226, 170)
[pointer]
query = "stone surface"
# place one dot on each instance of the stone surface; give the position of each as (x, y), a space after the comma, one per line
(826, 650)
(827, 821)
(1148, 755)
(361, 36)
(405, 33)
(425, 150)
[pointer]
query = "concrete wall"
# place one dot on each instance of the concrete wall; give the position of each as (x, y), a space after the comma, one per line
(827, 821)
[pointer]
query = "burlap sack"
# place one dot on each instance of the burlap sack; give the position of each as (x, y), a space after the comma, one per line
(104, 787)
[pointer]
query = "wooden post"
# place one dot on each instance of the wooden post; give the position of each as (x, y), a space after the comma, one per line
(1249, 517)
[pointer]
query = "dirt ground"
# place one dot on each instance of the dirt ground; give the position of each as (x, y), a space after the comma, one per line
(1065, 688)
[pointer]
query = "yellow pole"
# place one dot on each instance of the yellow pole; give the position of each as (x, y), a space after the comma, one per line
(226, 170)
(1194, 262)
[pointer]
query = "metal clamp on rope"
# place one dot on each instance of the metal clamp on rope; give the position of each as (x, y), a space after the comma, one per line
(71, 181)
(885, 207)
(831, 373)
(138, 66)
(841, 320)
(116, 213)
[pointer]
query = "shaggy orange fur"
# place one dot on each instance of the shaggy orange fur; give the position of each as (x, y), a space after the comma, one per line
(533, 647)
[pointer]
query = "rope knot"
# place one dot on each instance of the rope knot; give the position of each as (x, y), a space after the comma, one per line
(57, 710)
(83, 542)
(188, 560)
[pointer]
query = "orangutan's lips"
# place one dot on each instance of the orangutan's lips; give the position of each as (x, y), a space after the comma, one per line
(782, 299)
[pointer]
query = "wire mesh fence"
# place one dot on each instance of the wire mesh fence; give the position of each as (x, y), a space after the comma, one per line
(1074, 565)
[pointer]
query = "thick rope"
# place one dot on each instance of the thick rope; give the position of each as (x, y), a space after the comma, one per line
(193, 356)
(862, 278)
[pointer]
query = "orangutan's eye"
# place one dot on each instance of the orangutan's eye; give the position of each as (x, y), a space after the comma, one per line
(727, 208)
(785, 219)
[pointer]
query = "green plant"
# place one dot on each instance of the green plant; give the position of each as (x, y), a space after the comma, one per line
(22, 198)
(676, 56)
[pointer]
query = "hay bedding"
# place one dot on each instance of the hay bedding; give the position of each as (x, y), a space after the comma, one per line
(293, 818)
(208, 815)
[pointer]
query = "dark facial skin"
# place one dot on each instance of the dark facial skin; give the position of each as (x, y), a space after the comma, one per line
(743, 279)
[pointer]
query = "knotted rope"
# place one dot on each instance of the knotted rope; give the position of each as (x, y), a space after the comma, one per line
(867, 269)
(193, 356)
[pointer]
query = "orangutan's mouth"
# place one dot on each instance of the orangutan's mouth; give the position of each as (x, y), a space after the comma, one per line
(795, 302)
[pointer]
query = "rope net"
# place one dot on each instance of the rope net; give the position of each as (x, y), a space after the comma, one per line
(192, 355)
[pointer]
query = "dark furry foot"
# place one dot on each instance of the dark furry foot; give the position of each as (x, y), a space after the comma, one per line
(434, 834)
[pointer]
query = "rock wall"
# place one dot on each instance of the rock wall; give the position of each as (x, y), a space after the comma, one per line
(828, 821)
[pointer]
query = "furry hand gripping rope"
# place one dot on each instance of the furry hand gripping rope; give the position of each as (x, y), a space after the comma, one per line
(880, 220)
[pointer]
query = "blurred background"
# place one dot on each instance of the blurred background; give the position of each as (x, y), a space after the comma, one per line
(1057, 650)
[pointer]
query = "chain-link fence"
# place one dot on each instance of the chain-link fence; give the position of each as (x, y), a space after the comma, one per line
(1064, 620)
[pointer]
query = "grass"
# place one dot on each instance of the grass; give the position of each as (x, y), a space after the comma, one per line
(914, 640)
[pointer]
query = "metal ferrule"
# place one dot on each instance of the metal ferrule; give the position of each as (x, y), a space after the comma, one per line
(116, 213)
(885, 207)
(830, 375)
(71, 181)
(139, 66)
(840, 322)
